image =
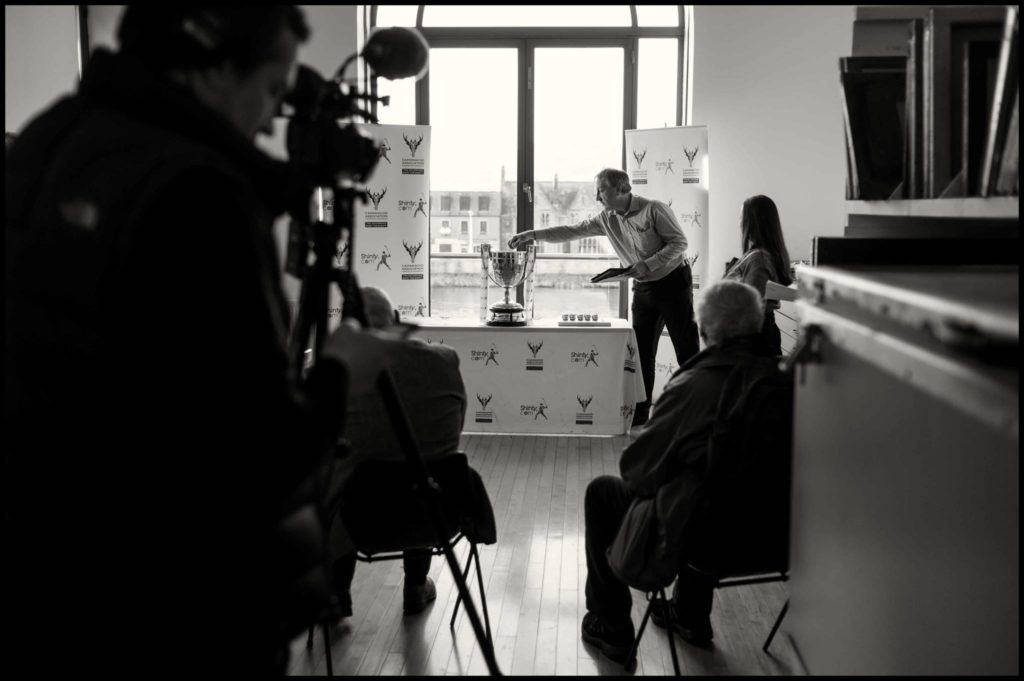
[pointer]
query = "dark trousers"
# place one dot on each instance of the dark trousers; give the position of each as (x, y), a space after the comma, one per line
(771, 334)
(667, 302)
(605, 505)
(416, 563)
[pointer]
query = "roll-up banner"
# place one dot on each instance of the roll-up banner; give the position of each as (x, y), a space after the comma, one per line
(671, 165)
(392, 229)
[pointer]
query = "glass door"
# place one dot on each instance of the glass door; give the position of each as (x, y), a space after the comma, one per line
(578, 115)
(519, 129)
(474, 119)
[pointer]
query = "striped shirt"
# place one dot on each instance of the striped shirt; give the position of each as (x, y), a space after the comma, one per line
(647, 231)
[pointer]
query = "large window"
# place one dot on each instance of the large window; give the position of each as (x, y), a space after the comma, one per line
(525, 107)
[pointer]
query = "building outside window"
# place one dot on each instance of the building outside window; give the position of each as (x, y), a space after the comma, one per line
(446, 204)
(483, 227)
(464, 227)
(483, 203)
(464, 203)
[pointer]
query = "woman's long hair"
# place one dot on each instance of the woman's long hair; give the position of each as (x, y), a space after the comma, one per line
(762, 229)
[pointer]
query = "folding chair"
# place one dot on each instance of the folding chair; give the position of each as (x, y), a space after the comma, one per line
(426, 519)
(738, 579)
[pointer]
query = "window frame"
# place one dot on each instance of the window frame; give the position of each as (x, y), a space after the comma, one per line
(525, 40)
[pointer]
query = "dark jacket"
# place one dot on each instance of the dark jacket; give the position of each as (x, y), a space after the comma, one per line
(668, 458)
(152, 430)
(432, 392)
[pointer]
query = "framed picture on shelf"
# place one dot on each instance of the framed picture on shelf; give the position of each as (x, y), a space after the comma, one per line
(873, 92)
(1001, 160)
(949, 33)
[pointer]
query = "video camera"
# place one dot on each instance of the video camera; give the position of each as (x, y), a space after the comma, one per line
(320, 141)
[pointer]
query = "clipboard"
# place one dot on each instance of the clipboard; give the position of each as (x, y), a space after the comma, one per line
(611, 274)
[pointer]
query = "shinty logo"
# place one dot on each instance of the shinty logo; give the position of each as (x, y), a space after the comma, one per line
(630, 363)
(383, 149)
(376, 197)
(384, 255)
(413, 144)
(691, 154)
(584, 417)
(535, 410)
(412, 250)
(639, 156)
(487, 356)
(484, 415)
(532, 363)
(585, 358)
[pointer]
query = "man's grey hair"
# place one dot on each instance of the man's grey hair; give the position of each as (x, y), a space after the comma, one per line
(614, 177)
(728, 309)
(380, 313)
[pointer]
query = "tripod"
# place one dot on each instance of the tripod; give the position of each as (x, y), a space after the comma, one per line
(312, 321)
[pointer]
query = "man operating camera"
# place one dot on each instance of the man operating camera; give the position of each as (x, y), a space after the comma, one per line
(153, 433)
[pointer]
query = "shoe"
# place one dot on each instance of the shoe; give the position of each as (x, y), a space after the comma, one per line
(341, 606)
(416, 598)
(614, 643)
(699, 635)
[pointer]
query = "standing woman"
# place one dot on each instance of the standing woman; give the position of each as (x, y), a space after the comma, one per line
(764, 258)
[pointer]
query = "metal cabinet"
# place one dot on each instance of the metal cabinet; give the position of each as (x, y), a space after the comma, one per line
(905, 549)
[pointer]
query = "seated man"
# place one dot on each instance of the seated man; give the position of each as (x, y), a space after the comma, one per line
(671, 448)
(432, 392)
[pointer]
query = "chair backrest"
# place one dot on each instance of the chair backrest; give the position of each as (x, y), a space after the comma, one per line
(741, 524)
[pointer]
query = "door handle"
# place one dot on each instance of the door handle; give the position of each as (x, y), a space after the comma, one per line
(529, 192)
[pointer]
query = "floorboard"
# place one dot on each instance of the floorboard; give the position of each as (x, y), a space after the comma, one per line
(534, 585)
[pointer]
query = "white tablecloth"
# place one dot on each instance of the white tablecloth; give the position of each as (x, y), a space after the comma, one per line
(544, 378)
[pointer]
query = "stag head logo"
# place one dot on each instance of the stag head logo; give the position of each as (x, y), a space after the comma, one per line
(412, 250)
(692, 260)
(584, 401)
(413, 144)
(691, 154)
(639, 156)
(631, 350)
(535, 348)
(483, 400)
(377, 196)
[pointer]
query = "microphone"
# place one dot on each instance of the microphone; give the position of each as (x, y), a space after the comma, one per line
(396, 52)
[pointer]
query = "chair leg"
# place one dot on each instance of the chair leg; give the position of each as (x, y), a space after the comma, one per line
(671, 638)
(631, 657)
(326, 626)
(483, 596)
(775, 627)
(458, 600)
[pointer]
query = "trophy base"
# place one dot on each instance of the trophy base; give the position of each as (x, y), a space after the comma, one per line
(507, 316)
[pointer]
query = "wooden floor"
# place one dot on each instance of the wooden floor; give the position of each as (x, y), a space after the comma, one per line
(534, 579)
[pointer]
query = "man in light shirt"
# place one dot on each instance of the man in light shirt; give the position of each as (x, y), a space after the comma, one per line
(649, 241)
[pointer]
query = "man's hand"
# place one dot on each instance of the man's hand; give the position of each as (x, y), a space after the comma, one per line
(639, 270)
(521, 239)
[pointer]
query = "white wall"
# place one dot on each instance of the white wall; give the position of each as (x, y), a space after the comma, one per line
(766, 82)
(40, 59)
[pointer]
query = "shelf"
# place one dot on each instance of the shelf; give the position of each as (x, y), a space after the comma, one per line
(974, 207)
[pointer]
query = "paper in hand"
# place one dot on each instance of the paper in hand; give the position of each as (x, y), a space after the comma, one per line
(612, 274)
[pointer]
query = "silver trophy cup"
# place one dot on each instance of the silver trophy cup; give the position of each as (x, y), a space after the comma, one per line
(508, 269)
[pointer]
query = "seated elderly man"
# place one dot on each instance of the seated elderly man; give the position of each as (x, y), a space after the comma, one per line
(666, 460)
(432, 392)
